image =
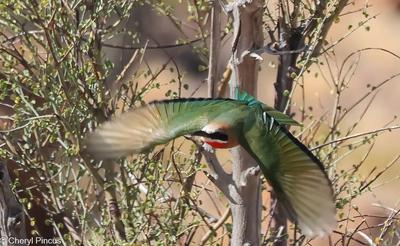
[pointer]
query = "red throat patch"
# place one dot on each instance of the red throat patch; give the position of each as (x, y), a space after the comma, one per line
(217, 145)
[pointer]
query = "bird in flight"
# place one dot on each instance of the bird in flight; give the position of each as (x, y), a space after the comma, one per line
(296, 175)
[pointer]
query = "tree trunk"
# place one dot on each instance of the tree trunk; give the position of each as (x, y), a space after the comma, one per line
(246, 203)
(243, 187)
(12, 217)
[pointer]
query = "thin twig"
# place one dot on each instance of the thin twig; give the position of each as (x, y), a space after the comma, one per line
(354, 136)
(215, 227)
(152, 47)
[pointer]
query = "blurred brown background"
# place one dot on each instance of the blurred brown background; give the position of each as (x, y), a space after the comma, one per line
(373, 68)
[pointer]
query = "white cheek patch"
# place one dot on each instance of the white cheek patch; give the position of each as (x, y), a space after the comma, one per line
(209, 129)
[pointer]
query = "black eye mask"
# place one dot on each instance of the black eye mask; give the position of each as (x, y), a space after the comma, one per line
(215, 135)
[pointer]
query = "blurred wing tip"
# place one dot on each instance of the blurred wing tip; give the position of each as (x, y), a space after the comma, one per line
(321, 230)
(99, 149)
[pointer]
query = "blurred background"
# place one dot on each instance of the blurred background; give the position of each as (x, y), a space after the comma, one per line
(366, 39)
(381, 31)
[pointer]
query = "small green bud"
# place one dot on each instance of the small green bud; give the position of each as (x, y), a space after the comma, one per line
(286, 93)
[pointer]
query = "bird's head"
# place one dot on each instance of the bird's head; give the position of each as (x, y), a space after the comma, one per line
(218, 135)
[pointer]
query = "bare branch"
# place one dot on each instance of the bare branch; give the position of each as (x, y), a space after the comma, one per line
(355, 136)
(215, 227)
(214, 49)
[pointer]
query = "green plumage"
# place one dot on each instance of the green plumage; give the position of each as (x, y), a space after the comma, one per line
(295, 174)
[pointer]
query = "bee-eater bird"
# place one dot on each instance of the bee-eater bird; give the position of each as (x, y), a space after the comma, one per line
(296, 175)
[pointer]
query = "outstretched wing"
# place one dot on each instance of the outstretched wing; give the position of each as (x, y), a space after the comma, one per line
(296, 175)
(142, 128)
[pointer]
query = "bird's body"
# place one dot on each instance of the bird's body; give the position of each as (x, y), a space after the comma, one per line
(296, 175)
